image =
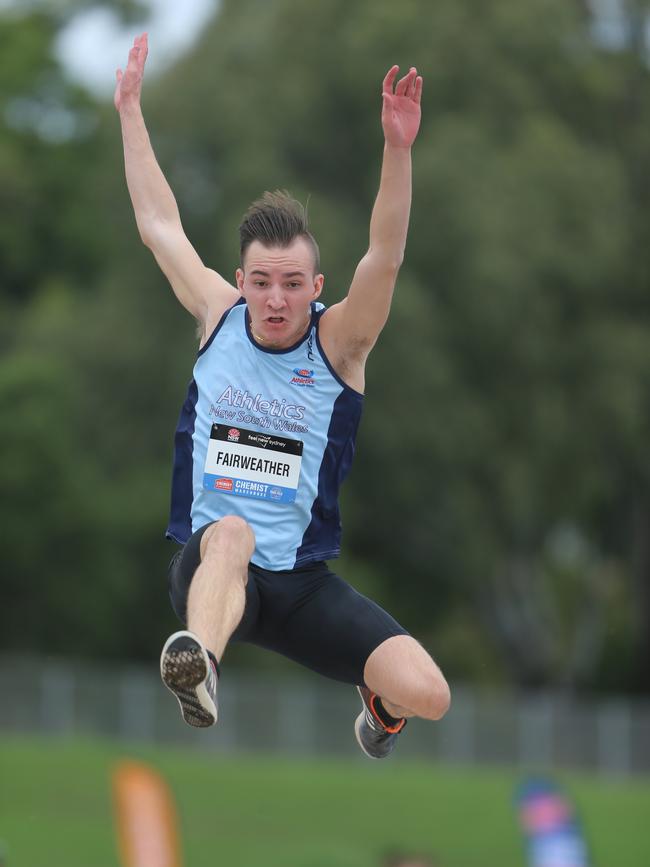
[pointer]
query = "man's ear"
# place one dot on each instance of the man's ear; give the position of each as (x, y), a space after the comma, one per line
(239, 279)
(319, 280)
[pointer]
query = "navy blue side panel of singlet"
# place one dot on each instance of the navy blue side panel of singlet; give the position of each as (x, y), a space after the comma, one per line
(180, 523)
(324, 529)
(180, 526)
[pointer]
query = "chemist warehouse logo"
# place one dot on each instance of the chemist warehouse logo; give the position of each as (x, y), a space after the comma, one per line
(302, 376)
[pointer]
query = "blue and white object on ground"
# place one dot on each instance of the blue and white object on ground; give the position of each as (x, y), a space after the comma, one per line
(550, 825)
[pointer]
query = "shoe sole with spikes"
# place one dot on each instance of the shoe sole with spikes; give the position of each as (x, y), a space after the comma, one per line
(187, 672)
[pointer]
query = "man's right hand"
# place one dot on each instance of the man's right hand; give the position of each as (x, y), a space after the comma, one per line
(129, 82)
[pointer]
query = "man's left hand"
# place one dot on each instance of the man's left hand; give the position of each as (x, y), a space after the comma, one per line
(400, 114)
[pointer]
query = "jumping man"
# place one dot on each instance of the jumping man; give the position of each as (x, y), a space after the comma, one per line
(266, 437)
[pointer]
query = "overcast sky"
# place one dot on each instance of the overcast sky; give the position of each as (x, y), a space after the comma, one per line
(94, 44)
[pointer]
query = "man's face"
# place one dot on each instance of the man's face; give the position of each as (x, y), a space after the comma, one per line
(279, 285)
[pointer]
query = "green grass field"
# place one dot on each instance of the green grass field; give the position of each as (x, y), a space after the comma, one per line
(56, 810)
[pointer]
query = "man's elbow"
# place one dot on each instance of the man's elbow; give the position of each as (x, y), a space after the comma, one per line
(387, 261)
(151, 232)
(147, 232)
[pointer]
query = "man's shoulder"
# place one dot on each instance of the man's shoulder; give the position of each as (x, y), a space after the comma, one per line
(217, 319)
(344, 357)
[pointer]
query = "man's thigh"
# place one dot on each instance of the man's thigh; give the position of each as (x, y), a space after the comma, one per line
(181, 570)
(324, 624)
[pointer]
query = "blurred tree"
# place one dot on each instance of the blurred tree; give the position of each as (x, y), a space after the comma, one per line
(61, 11)
(82, 502)
(50, 159)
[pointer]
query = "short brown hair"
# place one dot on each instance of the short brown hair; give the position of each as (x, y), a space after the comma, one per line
(276, 220)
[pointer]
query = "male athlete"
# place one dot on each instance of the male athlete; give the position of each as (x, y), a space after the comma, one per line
(266, 436)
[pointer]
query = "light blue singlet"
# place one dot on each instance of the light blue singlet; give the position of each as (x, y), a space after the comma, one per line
(267, 435)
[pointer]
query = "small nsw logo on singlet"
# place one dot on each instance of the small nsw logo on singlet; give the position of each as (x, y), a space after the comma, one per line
(303, 376)
(233, 435)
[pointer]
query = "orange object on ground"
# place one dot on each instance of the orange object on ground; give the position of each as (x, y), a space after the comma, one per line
(147, 825)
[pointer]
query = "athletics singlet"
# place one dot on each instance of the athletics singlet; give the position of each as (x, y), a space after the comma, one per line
(266, 434)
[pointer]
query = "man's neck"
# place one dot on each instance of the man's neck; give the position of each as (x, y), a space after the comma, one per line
(264, 341)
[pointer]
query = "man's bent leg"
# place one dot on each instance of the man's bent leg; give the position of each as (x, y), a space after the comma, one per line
(217, 594)
(215, 606)
(407, 679)
(402, 681)
(326, 625)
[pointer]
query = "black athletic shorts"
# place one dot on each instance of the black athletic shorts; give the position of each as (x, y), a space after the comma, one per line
(308, 614)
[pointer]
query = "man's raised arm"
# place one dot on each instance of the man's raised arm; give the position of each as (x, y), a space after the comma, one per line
(200, 290)
(356, 322)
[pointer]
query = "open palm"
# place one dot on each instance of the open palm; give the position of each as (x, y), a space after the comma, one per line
(400, 115)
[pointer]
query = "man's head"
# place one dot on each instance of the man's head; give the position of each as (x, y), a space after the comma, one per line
(276, 220)
(279, 275)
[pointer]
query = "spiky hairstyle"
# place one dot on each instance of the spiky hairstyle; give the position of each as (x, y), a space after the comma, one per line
(276, 220)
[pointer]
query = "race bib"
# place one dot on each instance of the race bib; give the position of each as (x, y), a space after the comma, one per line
(251, 464)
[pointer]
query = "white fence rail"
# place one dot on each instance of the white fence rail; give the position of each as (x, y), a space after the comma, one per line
(315, 717)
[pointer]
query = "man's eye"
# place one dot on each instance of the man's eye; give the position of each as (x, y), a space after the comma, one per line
(294, 285)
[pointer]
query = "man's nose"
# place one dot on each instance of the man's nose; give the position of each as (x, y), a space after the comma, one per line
(276, 297)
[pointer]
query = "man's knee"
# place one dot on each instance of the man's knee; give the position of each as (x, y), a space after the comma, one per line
(231, 534)
(434, 698)
(426, 696)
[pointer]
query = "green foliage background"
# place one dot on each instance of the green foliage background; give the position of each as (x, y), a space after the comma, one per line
(499, 503)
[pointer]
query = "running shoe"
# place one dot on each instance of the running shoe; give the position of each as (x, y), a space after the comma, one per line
(188, 672)
(375, 739)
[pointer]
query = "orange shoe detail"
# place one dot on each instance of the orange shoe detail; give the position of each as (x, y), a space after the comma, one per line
(392, 730)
